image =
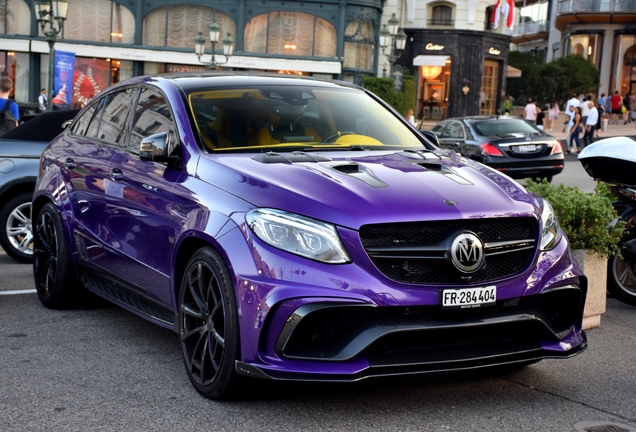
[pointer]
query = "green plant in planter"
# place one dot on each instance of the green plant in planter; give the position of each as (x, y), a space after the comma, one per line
(586, 218)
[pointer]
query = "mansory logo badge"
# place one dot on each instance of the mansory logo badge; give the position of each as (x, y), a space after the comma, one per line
(467, 252)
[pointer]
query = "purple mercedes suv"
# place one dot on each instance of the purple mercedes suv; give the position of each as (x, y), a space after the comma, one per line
(292, 228)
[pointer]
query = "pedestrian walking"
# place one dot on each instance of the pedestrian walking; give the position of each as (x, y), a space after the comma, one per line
(540, 119)
(42, 100)
(585, 109)
(625, 109)
(9, 112)
(632, 107)
(553, 112)
(575, 131)
(616, 103)
(530, 112)
(590, 124)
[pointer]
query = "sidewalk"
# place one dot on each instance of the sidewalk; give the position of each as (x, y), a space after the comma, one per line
(612, 130)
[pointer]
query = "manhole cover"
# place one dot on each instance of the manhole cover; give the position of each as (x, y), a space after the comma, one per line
(589, 426)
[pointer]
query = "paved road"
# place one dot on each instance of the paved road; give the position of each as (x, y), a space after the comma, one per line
(104, 369)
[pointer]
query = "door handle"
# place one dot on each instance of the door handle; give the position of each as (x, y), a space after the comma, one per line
(116, 174)
(69, 163)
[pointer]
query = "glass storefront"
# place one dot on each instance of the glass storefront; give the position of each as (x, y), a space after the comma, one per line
(625, 61)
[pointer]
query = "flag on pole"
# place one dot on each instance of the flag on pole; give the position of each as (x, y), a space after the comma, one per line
(495, 15)
(507, 9)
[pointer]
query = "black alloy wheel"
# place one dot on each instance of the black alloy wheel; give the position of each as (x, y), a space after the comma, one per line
(55, 280)
(208, 325)
(621, 275)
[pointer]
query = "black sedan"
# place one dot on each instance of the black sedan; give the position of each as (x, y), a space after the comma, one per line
(508, 144)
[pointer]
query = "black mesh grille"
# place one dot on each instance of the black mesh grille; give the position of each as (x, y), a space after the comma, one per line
(455, 344)
(435, 269)
(326, 332)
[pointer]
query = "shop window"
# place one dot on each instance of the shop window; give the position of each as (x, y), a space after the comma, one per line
(627, 64)
(15, 17)
(441, 14)
(178, 25)
(359, 44)
(98, 21)
(587, 46)
(290, 33)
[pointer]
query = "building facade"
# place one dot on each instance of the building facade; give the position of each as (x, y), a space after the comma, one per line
(602, 31)
(115, 40)
(458, 58)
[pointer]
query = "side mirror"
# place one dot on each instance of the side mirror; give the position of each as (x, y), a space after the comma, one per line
(154, 145)
(430, 136)
(158, 148)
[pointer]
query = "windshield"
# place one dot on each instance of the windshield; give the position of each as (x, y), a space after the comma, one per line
(506, 127)
(299, 116)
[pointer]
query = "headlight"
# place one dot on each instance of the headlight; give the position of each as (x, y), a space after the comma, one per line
(299, 235)
(551, 234)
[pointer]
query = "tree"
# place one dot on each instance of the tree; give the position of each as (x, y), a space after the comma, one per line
(384, 88)
(559, 78)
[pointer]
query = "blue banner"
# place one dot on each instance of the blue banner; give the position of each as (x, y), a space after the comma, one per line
(64, 64)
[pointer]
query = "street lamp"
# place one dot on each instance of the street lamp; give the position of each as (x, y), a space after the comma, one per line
(215, 33)
(51, 15)
(391, 37)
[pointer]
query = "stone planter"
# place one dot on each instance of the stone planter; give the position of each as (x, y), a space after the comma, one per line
(595, 268)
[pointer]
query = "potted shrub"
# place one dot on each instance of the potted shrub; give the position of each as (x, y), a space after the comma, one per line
(594, 230)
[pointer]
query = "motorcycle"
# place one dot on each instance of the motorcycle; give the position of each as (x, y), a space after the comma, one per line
(613, 161)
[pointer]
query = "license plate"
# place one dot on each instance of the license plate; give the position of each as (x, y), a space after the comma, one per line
(528, 148)
(465, 298)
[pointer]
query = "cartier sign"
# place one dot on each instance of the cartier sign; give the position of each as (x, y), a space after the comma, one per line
(494, 51)
(434, 47)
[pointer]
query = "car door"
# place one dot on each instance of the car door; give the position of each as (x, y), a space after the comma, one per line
(138, 215)
(453, 136)
(84, 170)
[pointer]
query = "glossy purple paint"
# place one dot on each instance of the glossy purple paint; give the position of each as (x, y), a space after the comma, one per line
(144, 228)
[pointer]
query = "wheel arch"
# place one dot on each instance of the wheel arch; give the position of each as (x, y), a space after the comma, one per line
(16, 188)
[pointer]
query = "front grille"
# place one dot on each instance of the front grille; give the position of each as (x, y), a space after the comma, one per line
(324, 333)
(455, 344)
(417, 252)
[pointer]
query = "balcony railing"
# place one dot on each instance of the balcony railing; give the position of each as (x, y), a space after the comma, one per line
(441, 22)
(531, 27)
(609, 6)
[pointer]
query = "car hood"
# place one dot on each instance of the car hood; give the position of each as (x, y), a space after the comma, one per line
(354, 188)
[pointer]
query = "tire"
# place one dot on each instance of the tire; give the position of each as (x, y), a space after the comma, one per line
(621, 275)
(16, 235)
(208, 325)
(53, 273)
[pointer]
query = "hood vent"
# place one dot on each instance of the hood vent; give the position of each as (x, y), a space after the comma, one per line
(359, 172)
(446, 171)
(297, 156)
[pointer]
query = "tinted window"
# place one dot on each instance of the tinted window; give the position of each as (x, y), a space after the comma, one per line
(93, 127)
(152, 116)
(453, 130)
(437, 130)
(81, 125)
(116, 108)
(505, 127)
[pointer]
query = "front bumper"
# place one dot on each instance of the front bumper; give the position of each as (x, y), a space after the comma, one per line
(331, 341)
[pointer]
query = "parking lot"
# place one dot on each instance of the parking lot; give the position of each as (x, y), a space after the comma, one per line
(106, 369)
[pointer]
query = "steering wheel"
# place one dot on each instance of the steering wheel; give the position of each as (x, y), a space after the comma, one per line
(336, 135)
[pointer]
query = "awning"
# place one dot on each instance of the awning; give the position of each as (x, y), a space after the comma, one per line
(513, 72)
(430, 60)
